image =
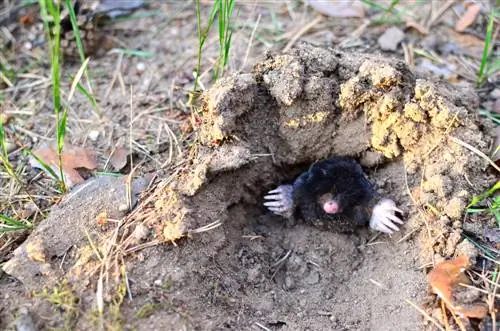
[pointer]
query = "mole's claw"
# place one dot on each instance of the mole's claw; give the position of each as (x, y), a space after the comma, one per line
(383, 217)
(273, 203)
(280, 200)
(383, 228)
(394, 218)
(390, 225)
(276, 190)
(397, 209)
(272, 196)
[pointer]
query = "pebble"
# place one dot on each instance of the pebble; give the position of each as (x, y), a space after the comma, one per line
(123, 207)
(24, 322)
(93, 135)
(390, 39)
(141, 232)
(289, 283)
(28, 46)
(312, 278)
(140, 67)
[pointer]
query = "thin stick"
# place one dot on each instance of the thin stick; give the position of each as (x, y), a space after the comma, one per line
(445, 317)
(475, 150)
(429, 318)
(250, 42)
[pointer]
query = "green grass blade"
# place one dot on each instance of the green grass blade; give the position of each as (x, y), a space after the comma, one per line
(137, 53)
(89, 96)
(3, 143)
(481, 75)
(61, 132)
(44, 165)
(76, 30)
(8, 224)
(481, 197)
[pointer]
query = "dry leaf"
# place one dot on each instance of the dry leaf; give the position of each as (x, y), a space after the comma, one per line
(417, 26)
(444, 280)
(118, 158)
(476, 310)
(445, 277)
(470, 45)
(468, 18)
(353, 8)
(73, 157)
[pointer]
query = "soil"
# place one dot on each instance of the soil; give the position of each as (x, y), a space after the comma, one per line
(257, 129)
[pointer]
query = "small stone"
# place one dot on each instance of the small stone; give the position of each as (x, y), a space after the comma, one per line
(141, 232)
(93, 135)
(24, 321)
(140, 67)
(10, 147)
(467, 248)
(289, 283)
(390, 39)
(254, 275)
(495, 94)
(455, 208)
(371, 159)
(312, 278)
(28, 46)
(28, 210)
(445, 220)
(123, 207)
(158, 282)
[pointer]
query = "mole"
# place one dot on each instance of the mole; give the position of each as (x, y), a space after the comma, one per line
(335, 194)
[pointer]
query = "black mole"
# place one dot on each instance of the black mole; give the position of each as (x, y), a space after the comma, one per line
(335, 194)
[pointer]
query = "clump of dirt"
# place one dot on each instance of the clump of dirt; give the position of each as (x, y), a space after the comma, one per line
(261, 129)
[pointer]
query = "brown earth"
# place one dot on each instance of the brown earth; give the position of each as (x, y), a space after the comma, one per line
(261, 129)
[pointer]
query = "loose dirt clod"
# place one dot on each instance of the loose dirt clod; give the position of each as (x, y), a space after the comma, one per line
(261, 129)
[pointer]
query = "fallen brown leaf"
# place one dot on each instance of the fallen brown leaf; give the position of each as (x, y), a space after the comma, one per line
(476, 310)
(445, 277)
(118, 158)
(468, 17)
(418, 27)
(73, 157)
(352, 8)
(444, 280)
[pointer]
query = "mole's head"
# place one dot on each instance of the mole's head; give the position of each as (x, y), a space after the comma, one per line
(331, 204)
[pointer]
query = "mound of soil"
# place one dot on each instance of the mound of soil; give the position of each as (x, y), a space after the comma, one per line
(261, 129)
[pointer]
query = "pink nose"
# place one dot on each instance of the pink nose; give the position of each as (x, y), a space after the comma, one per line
(331, 207)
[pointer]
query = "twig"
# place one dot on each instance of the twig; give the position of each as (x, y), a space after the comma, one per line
(475, 150)
(427, 317)
(250, 43)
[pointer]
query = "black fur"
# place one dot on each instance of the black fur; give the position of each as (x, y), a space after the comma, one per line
(345, 179)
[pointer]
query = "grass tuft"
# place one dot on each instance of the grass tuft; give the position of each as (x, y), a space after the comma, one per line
(484, 70)
(492, 205)
(8, 224)
(223, 9)
(51, 16)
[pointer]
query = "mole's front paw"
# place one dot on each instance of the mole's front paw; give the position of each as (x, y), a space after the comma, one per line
(384, 217)
(281, 201)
